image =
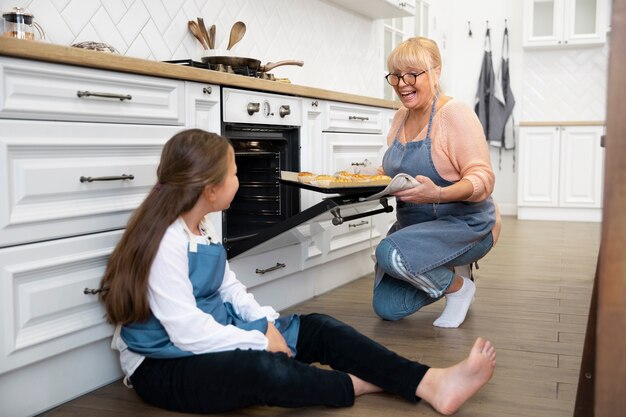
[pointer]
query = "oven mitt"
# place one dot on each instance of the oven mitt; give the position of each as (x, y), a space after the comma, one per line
(397, 183)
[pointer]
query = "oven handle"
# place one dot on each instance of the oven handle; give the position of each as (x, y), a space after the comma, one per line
(337, 219)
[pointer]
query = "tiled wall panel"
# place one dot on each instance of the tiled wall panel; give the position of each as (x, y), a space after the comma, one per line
(339, 49)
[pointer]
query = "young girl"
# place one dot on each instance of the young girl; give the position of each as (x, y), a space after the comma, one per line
(191, 339)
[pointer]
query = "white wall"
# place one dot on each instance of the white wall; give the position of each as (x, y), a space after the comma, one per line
(548, 85)
(340, 49)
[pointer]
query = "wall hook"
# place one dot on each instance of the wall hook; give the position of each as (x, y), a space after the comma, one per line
(469, 27)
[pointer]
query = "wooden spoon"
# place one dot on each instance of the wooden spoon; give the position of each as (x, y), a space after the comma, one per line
(204, 32)
(236, 33)
(195, 30)
(212, 37)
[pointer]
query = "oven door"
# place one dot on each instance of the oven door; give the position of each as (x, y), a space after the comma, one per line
(338, 209)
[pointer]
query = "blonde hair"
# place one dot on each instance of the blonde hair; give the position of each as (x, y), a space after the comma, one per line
(418, 52)
(190, 160)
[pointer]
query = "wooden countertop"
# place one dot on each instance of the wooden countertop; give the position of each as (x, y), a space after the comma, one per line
(42, 51)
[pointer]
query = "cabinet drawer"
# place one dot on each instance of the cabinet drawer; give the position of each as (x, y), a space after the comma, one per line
(264, 267)
(353, 236)
(37, 90)
(44, 309)
(41, 168)
(341, 117)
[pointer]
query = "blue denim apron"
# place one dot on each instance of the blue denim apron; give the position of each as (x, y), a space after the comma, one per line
(206, 273)
(427, 236)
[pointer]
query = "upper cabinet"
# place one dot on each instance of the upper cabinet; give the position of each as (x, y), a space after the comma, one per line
(379, 9)
(564, 22)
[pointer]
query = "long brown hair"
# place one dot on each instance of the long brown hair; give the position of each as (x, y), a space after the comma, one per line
(190, 160)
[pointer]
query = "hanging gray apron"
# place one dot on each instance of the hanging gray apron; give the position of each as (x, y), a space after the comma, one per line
(430, 235)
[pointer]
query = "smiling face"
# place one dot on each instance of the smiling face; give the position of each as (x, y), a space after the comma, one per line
(416, 56)
(414, 88)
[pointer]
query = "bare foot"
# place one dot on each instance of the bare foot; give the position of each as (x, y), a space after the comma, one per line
(446, 389)
(362, 387)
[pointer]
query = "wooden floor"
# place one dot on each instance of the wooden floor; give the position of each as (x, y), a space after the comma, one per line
(532, 302)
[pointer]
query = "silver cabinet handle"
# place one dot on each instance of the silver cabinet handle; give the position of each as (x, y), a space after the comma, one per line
(207, 90)
(284, 110)
(94, 290)
(112, 178)
(253, 108)
(361, 223)
(361, 118)
(121, 97)
(270, 269)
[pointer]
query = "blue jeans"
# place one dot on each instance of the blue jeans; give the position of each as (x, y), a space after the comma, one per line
(399, 295)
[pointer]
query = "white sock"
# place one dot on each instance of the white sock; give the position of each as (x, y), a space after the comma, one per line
(457, 305)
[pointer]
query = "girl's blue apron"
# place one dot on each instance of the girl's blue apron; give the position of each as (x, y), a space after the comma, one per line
(206, 273)
(430, 235)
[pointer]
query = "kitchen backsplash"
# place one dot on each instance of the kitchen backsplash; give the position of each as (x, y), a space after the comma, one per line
(340, 50)
(566, 84)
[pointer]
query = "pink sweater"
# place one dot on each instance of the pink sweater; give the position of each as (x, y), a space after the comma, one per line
(459, 148)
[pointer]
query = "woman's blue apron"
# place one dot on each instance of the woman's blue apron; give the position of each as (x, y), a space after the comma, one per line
(430, 235)
(206, 273)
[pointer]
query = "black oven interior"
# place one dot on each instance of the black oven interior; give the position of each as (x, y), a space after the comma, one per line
(261, 152)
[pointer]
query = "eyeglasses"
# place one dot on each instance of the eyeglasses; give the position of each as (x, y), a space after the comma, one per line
(410, 78)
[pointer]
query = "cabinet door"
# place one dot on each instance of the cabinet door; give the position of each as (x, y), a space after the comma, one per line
(584, 22)
(203, 106)
(379, 9)
(311, 147)
(539, 153)
(44, 309)
(543, 22)
(582, 161)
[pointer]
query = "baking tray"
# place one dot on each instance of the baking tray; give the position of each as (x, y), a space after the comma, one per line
(365, 190)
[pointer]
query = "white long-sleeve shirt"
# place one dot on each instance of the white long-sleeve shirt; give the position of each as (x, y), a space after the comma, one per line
(171, 300)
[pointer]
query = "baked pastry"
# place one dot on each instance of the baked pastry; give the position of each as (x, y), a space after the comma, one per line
(324, 178)
(380, 178)
(306, 177)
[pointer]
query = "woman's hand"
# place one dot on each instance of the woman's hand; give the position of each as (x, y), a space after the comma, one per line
(380, 170)
(276, 341)
(426, 192)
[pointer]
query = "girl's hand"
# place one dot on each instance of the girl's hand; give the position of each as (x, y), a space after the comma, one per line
(380, 170)
(276, 341)
(426, 192)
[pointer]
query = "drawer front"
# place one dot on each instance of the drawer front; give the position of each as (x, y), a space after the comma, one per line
(42, 164)
(264, 267)
(341, 117)
(352, 236)
(37, 90)
(44, 310)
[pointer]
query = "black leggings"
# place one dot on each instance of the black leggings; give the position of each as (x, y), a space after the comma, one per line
(222, 381)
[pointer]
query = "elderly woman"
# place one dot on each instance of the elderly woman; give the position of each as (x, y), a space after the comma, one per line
(449, 219)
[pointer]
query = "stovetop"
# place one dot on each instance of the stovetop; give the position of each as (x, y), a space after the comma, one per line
(240, 70)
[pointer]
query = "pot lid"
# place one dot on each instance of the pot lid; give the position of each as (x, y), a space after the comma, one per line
(17, 11)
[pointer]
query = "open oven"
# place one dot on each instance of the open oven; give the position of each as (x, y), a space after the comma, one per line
(265, 132)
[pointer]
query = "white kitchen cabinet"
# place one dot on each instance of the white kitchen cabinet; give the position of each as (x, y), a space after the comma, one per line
(79, 149)
(379, 9)
(203, 111)
(564, 22)
(560, 173)
(40, 91)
